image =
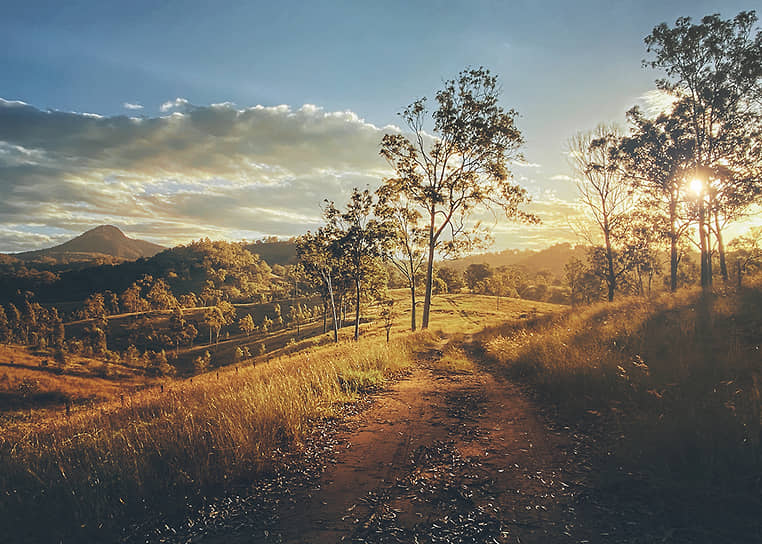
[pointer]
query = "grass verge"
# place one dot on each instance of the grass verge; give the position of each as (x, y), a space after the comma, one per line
(159, 452)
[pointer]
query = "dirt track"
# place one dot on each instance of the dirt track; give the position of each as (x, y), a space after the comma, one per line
(438, 457)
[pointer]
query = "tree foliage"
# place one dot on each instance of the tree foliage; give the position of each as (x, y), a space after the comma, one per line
(456, 165)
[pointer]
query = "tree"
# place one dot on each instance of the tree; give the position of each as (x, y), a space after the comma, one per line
(388, 315)
(295, 317)
(360, 239)
(714, 72)
(14, 322)
(452, 278)
(476, 276)
(246, 324)
(5, 330)
(160, 296)
(319, 261)
(457, 165)
(408, 239)
(267, 323)
(502, 283)
(214, 320)
(604, 192)
(132, 300)
(657, 158)
(584, 285)
(747, 253)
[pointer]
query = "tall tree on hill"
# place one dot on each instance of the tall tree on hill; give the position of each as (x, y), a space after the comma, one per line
(714, 72)
(605, 193)
(457, 165)
(360, 239)
(408, 239)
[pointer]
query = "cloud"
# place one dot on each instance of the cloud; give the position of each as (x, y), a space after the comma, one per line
(173, 104)
(657, 101)
(212, 171)
(132, 106)
(561, 177)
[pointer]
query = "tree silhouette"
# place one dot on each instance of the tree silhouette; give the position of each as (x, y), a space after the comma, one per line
(714, 72)
(604, 191)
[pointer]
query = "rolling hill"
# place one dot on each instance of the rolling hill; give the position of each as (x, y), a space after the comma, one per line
(105, 240)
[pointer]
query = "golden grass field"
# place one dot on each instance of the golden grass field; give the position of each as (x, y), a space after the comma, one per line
(126, 456)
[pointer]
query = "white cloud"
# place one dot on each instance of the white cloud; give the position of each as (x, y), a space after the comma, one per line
(657, 101)
(132, 106)
(561, 177)
(172, 104)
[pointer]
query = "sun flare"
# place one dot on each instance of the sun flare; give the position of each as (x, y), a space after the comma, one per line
(697, 186)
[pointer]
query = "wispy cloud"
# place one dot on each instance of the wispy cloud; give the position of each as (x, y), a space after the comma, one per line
(132, 106)
(561, 177)
(657, 101)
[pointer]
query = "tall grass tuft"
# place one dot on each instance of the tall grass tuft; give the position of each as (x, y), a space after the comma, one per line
(158, 452)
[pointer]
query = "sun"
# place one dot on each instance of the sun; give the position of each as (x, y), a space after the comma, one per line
(697, 186)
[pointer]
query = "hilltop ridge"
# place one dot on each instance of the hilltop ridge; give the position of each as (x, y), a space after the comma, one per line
(104, 240)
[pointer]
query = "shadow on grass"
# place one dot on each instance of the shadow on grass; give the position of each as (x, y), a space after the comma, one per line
(667, 396)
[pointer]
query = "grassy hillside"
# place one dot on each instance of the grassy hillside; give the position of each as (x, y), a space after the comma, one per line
(32, 386)
(164, 450)
(669, 388)
(552, 258)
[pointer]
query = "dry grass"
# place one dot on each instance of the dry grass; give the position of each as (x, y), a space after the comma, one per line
(160, 449)
(33, 386)
(675, 382)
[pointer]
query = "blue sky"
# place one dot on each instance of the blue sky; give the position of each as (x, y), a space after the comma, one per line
(190, 169)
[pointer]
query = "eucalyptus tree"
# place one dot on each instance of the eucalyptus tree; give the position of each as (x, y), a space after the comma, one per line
(657, 158)
(604, 191)
(408, 239)
(317, 256)
(457, 164)
(714, 72)
(360, 238)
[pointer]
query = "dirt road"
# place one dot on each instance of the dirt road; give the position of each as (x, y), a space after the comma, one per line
(440, 456)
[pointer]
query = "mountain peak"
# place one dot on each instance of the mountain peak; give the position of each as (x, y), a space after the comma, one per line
(105, 231)
(103, 240)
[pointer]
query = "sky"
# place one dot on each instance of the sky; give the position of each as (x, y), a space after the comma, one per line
(235, 120)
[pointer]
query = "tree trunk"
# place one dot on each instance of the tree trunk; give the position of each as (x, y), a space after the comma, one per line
(327, 277)
(429, 277)
(357, 311)
(672, 246)
(412, 308)
(720, 248)
(610, 277)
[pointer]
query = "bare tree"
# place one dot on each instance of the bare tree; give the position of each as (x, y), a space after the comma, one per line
(603, 190)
